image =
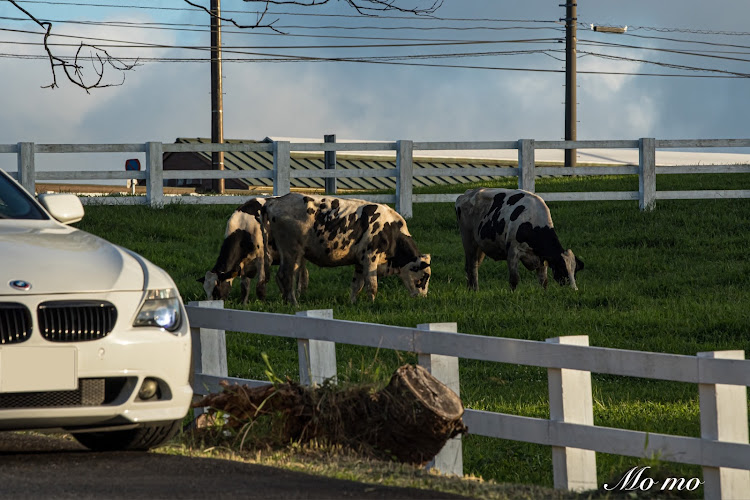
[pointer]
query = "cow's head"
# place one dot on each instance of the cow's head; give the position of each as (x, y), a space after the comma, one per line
(216, 287)
(416, 275)
(566, 267)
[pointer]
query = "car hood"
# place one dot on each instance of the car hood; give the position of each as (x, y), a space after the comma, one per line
(54, 258)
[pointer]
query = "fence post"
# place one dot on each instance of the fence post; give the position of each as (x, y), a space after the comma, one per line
(317, 358)
(155, 174)
(27, 167)
(209, 349)
(329, 158)
(570, 400)
(281, 168)
(724, 418)
(405, 179)
(445, 369)
(646, 173)
(526, 173)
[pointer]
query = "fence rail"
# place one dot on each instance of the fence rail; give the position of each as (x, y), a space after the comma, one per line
(404, 173)
(722, 450)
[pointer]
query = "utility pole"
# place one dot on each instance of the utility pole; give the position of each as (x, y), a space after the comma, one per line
(571, 20)
(217, 101)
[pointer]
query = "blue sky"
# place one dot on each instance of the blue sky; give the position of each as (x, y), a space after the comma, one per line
(164, 100)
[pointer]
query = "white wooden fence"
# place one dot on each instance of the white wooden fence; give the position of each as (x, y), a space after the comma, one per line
(527, 171)
(722, 450)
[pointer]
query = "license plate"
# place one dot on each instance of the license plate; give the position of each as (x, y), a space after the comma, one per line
(36, 369)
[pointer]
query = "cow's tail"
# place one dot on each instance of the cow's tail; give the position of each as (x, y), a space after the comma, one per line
(264, 231)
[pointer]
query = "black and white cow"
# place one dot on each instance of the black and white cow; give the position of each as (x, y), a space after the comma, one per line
(331, 232)
(512, 225)
(244, 253)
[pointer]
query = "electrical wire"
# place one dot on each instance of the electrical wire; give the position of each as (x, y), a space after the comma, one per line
(398, 60)
(225, 47)
(202, 27)
(663, 64)
(693, 31)
(390, 59)
(309, 14)
(427, 42)
(659, 49)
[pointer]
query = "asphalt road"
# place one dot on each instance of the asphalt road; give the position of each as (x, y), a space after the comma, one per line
(47, 467)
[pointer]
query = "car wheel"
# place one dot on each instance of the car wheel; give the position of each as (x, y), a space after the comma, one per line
(138, 439)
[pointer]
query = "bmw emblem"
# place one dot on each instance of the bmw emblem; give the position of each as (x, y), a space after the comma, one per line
(20, 285)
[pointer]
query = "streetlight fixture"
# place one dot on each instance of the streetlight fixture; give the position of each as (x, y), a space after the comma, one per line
(609, 29)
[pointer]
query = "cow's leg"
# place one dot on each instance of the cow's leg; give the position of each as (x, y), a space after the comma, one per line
(357, 283)
(245, 289)
(260, 284)
(248, 273)
(285, 277)
(541, 273)
(513, 259)
(472, 268)
(370, 273)
(534, 263)
(473, 258)
(303, 277)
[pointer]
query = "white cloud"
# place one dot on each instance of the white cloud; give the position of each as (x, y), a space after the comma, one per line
(162, 101)
(32, 113)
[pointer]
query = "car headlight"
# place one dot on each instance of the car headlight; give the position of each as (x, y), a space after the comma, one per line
(161, 309)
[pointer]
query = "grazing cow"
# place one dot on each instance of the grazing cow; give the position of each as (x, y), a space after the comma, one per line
(244, 253)
(512, 225)
(331, 232)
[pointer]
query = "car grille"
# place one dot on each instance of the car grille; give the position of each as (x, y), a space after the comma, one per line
(15, 323)
(90, 392)
(76, 321)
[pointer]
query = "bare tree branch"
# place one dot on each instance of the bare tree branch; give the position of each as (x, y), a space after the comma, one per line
(101, 59)
(364, 7)
(74, 71)
(258, 23)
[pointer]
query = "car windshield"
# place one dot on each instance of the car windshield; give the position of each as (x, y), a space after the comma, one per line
(15, 203)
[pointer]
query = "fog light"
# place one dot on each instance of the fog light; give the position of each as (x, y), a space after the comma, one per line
(148, 389)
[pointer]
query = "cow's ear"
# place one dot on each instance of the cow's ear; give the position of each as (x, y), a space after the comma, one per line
(422, 265)
(201, 279)
(426, 258)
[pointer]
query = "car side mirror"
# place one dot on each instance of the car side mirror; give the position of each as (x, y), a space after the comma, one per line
(65, 207)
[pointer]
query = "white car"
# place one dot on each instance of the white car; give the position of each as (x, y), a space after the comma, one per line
(94, 339)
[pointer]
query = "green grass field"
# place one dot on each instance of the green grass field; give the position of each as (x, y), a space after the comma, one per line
(674, 280)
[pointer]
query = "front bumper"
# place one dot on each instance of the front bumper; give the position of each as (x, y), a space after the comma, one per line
(122, 361)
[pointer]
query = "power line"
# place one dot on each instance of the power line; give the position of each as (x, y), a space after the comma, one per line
(392, 60)
(659, 49)
(694, 31)
(296, 35)
(147, 44)
(463, 42)
(272, 58)
(680, 40)
(389, 16)
(235, 50)
(666, 65)
(699, 31)
(292, 35)
(266, 57)
(173, 26)
(230, 47)
(129, 45)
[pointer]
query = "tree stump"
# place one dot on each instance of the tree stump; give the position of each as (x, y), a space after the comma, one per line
(421, 415)
(410, 419)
